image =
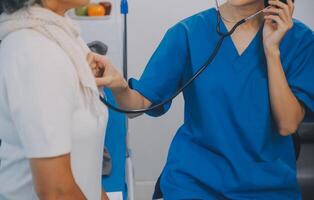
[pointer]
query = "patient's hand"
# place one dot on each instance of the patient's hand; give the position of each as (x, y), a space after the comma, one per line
(105, 73)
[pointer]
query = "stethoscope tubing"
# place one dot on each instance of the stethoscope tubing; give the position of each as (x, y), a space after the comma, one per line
(197, 74)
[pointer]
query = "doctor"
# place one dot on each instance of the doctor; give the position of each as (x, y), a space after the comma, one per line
(239, 114)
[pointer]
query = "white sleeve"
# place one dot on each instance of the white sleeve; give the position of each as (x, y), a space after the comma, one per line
(40, 89)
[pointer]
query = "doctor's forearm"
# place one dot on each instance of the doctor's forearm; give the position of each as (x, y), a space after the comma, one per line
(104, 195)
(130, 99)
(287, 110)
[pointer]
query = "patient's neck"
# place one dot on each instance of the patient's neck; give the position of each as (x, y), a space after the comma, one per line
(55, 6)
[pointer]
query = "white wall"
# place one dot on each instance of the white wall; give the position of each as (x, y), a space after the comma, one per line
(305, 12)
(150, 137)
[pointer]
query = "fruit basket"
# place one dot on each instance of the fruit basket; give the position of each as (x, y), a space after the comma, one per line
(93, 11)
(72, 14)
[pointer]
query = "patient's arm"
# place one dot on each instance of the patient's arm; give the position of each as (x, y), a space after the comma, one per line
(53, 179)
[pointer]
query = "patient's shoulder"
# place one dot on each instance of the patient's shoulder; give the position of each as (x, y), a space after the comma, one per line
(28, 41)
(29, 53)
(30, 46)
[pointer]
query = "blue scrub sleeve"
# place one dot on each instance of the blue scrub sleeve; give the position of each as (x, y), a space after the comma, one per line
(163, 74)
(301, 77)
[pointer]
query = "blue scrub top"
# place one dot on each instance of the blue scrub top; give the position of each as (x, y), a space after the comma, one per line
(229, 146)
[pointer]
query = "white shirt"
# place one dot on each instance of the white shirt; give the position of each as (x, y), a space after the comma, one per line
(43, 113)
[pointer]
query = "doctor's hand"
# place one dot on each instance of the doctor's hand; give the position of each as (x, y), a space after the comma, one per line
(278, 20)
(107, 76)
(105, 73)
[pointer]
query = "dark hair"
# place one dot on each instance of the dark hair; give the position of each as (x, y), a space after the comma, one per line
(10, 6)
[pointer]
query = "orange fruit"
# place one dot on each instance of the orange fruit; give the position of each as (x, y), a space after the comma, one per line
(95, 10)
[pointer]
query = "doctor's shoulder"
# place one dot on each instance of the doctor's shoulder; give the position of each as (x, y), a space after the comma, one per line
(199, 20)
(300, 30)
(193, 25)
(297, 47)
(299, 35)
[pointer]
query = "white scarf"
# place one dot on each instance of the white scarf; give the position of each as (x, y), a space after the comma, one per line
(65, 33)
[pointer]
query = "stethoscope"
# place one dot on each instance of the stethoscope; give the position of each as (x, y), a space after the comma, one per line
(199, 72)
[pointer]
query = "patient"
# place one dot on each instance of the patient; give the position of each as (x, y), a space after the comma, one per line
(52, 122)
